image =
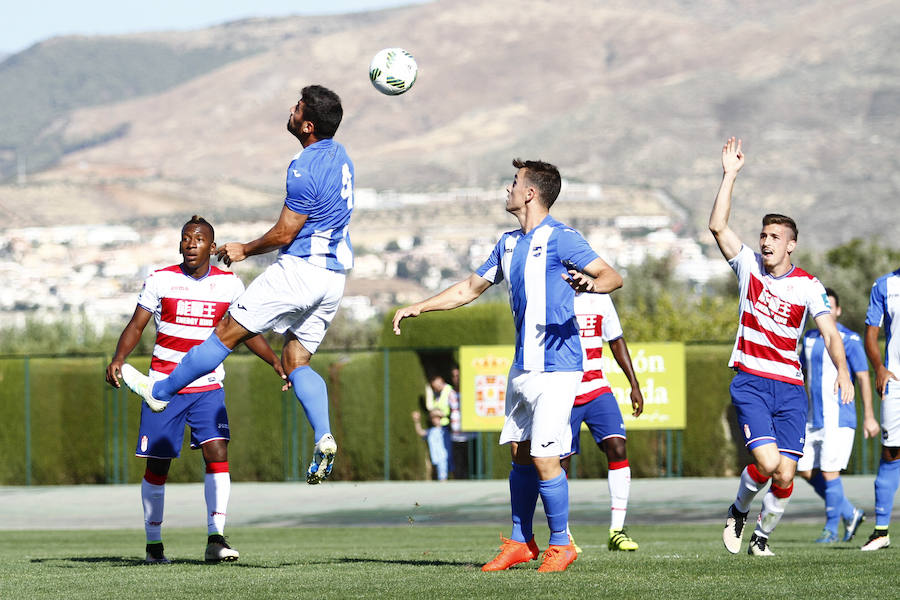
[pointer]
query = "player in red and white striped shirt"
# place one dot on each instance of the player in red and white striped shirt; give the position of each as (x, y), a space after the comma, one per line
(186, 301)
(597, 407)
(767, 392)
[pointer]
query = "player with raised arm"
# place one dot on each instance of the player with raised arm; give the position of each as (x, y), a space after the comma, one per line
(299, 294)
(767, 391)
(884, 305)
(186, 302)
(597, 407)
(831, 426)
(547, 367)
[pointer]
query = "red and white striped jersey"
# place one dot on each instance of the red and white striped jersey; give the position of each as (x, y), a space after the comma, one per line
(186, 311)
(772, 315)
(598, 322)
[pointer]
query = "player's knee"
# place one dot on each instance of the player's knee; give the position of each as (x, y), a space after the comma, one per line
(615, 449)
(766, 466)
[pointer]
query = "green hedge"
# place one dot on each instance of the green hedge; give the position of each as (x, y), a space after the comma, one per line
(76, 437)
(708, 449)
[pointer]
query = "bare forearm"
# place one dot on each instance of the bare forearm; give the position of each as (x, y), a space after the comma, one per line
(260, 347)
(273, 239)
(128, 341)
(605, 278)
(456, 295)
(865, 392)
(623, 359)
(727, 240)
(721, 211)
(835, 348)
(873, 352)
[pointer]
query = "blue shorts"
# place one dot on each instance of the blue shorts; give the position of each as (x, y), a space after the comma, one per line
(770, 411)
(162, 434)
(603, 418)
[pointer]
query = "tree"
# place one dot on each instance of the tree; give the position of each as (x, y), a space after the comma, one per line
(656, 306)
(851, 269)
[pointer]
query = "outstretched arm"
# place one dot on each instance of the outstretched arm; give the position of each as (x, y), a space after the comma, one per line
(835, 347)
(282, 233)
(129, 339)
(456, 295)
(873, 352)
(732, 161)
(623, 358)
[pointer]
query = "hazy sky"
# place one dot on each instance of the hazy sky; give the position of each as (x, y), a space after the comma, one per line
(25, 22)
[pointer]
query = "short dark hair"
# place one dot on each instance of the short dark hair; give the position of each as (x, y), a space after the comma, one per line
(544, 176)
(833, 294)
(776, 219)
(198, 220)
(322, 108)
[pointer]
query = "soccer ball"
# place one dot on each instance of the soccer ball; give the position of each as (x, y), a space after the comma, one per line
(393, 71)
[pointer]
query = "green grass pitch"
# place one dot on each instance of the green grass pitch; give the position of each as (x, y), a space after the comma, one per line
(415, 561)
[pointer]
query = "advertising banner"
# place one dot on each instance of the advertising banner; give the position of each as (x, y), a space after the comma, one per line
(660, 370)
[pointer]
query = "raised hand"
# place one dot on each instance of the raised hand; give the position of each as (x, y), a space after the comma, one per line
(732, 156)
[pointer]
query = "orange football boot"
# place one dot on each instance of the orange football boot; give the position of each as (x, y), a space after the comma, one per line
(557, 558)
(512, 553)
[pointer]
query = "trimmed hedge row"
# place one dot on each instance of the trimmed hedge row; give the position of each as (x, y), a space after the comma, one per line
(82, 431)
(76, 436)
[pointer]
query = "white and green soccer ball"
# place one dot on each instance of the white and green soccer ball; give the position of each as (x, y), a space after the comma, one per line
(393, 71)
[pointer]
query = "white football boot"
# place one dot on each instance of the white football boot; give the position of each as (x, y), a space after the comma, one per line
(323, 459)
(141, 385)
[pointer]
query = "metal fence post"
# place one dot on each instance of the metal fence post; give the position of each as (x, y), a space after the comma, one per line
(669, 453)
(387, 413)
(285, 440)
(27, 422)
(115, 436)
(296, 446)
(123, 423)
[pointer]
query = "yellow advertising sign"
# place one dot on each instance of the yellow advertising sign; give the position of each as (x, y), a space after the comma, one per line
(659, 367)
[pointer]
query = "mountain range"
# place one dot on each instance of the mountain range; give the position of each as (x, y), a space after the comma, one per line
(634, 93)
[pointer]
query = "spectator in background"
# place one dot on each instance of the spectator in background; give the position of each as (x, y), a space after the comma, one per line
(434, 435)
(440, 397)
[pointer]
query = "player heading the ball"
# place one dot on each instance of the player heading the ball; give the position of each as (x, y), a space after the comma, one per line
(299, 294)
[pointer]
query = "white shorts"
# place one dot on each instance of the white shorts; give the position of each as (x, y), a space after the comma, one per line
(294, 295)
(827, 449)
(890, 421)
(538, 406)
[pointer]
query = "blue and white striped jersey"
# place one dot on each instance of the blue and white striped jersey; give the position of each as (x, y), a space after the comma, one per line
(824, 405)
(320, 185)
(542, 302)
(884, 306)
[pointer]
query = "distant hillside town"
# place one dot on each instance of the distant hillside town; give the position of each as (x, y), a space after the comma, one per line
(406, 245)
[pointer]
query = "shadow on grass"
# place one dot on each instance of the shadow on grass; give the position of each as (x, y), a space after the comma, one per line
(414, 563)
(121, 561)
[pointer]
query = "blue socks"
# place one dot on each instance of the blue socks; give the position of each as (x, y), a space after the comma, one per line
(555, 496)
(886, 484)
(817, 481)
(312, 393)
(834, 500)
(523, 494)
(200, 360)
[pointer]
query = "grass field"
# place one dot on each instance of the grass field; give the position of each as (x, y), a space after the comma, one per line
(686, 561)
